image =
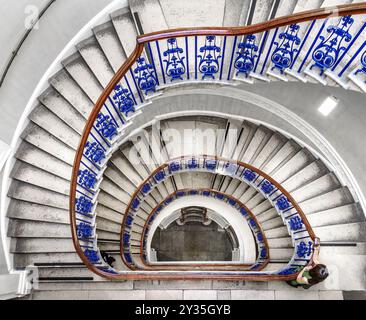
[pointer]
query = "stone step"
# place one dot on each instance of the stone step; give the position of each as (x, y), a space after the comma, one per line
(262, 207)
(273, 223)
(274, 144)
(21, 260)
(255, 201)
(98, 284)
(120, 179)
(64, 272)
(69, 89)
(308, 174)
(41, 245)
(96, 60)
(355, 232)
(281, 254)
(281, 158)
(36, 157)
(110, 202)
(339, 215)
(109, 246)
(52, 124)
(37, 229)
(30, 193)
(114, 190)
(259, 140)
(250, 293)
(262, 11)
(45, 141)
(126, 30)
(247, 134)
(110, 236)
(110, 44)
(280, 243)
(150, 15)
(322, 185)
(267, 215)
(107, 225)
(286, 8)
(109, 214)
(23, 210)
(124, 166)
(83, 76)
(344, 249)
(60, 107)
(296, 163)
(40, 178)
(280, 232)
(307, 5)
(327, 201)
(248, 194)
(236, 13)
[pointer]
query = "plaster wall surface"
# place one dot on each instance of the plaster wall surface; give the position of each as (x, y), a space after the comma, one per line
(56, 28)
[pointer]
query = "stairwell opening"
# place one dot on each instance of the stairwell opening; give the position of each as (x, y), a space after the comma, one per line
(194, 237)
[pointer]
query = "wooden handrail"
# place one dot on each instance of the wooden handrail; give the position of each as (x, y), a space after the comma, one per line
(342, 10)
(217, 158)
(92, 117)
(317, 14)
(171, 266)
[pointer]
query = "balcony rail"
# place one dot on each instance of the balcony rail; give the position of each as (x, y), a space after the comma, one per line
(208, 55)
(299, 228)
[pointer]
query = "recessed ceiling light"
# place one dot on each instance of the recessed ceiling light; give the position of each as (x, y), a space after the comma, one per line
(328, 105)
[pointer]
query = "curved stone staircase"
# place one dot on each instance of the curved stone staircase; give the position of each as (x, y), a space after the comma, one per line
(317, 190)
(38, 211)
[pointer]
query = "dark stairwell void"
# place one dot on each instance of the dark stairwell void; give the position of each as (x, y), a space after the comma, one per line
(193, 237)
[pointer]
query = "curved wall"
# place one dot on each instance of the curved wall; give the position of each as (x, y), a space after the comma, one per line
(61, 22)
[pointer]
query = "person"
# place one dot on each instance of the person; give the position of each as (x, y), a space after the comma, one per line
(107, 258)
(313, 273)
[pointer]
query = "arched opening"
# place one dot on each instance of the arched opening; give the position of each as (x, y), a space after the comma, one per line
(193, 236)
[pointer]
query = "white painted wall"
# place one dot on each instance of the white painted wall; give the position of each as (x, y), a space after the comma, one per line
(57, 27)
(3, 264)
(12, 24)
(4, 152)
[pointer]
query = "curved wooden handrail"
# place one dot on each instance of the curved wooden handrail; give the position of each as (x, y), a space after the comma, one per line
(171, 266)
(217, 158)
(342, 10)
(317, 14)
(92, 117)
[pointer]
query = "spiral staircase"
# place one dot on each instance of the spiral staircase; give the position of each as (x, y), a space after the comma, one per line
(116, 165)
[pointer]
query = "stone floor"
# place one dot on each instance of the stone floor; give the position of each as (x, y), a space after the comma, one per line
(184, 290)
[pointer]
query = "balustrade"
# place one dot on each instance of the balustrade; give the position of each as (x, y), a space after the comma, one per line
(211, 55)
